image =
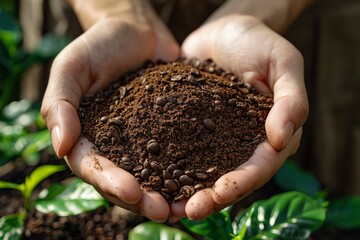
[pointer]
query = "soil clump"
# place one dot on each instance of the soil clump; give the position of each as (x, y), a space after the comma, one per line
(177, 127)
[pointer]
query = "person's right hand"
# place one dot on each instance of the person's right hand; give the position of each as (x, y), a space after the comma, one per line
(112, 46)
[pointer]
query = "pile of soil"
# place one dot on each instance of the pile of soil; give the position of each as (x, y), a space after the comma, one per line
(177, 127)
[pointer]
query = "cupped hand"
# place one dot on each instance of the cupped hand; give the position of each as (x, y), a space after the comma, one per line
(261, 57)
(91, 62)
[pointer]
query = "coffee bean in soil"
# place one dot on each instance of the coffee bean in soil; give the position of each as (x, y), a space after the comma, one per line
(178, 126)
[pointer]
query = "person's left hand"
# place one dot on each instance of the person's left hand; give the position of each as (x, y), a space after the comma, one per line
(261, 57)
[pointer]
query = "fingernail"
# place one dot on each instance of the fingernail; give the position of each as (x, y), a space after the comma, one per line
(55, 137)
(287, 133)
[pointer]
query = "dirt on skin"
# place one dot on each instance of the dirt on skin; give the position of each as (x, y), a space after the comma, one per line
(178, 126)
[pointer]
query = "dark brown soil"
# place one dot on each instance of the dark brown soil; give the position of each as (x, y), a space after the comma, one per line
(177, 127)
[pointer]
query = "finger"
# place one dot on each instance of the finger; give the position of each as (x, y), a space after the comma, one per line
(98, 171)
(254, 173)
(291, 105)
(200, 205)
(154, 206)
(178, 209)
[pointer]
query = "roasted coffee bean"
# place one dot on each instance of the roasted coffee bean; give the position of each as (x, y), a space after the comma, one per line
(145, 174)
(111, 108)
(217, 97)
(172, 167)
(232, 102)
(138, 168)
(115, 132)
(146, 163)
(139, 180)
(176, 78)
(115, 120)
(105, 149)
(166, 88)
(195, 73)
(155, 167)
(218, 92)
(180, 155)
(149, 88)
(185, 180)
(166, 174)
(191, 79)
(235, 85)
(153, 146)
(199, 186)
(126, 163)
(190, 173)
(179, 197)
(122, 91)
(160, 101)
(187, 191)
(211, 170)
(177, 173)
(251, 113)
(209, 124)
(182, 162)
(201, 176)
(104, 118)
(171, 185)
(155, 181)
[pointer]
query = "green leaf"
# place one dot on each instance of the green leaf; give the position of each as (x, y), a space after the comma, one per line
(291, 177)
(10, 32)
(157, 231)
(50, 46)
(37, 142)
(12, 226)
(216, 226)
(38, 175)
(344, 213)
(290, 215)
(76, 198)
(5, 184)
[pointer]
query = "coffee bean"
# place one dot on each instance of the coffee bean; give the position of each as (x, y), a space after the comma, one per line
(149, 88)
(155, 181)
(111, 108)
(145, 174)
(172, 167)
(177, 173)
(218, 92)
(180, 155)
(179, 197)
(191, 79)
(126, 163)
(185, 180)
(160, 101)
(171, 185)
(232, 102)
(201, 176)
(104, 118)
(211, 170)
(116, 121)
(217, 102)
(155, 167)
(137, 168)
(190, 173)
(114, 131)
(209, 124)
(153, 147)
(187, 191)
(143, 79)
(211, 69)
(195, 73)
(235, 85)
(146, 163)
(166, 174)
(176, 78)
(122, 91)
(166, 88)
(251, 113)
(182, 162)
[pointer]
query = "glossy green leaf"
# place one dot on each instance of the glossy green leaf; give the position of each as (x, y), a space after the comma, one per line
(12, 226)
(291, 215)
(38, 175)
(10, 32)
(157, 231)
(76, 198)
(50, 46)
(216, 226)
(291, 177)
(37, 142)
(344, 213)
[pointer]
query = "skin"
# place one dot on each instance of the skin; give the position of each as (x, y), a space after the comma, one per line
(120, 39)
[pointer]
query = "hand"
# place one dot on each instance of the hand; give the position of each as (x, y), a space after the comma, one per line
(261, 57)
(109, 48)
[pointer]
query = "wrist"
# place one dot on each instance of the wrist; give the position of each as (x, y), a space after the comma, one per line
(276, 14)
(90, 12)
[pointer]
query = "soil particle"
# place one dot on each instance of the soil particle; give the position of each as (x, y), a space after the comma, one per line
(177, 127)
